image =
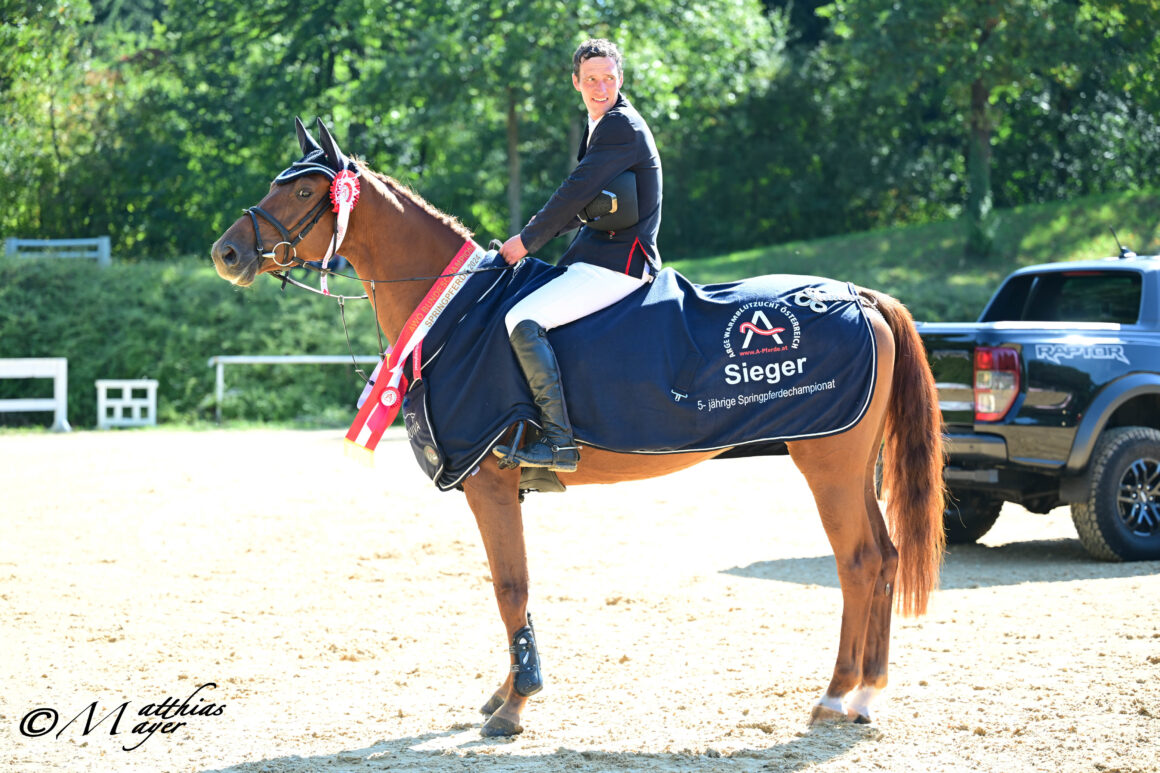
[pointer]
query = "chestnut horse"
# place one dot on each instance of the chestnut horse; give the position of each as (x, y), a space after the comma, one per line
(393, 235)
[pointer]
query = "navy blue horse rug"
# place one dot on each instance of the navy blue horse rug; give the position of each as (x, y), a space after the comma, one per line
(674, 367)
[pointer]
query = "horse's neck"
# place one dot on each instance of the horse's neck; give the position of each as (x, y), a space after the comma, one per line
(398, 240)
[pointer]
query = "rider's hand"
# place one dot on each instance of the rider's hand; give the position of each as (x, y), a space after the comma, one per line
(513, 250)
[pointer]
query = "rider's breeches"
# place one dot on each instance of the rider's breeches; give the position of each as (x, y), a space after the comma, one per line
(581, 290)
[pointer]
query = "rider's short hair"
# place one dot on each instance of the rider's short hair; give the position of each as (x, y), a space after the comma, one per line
(595, 47)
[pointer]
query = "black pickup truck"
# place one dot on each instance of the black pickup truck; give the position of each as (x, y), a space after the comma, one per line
(1052, 398)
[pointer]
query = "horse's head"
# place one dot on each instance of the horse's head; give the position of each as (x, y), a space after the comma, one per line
(279, 231)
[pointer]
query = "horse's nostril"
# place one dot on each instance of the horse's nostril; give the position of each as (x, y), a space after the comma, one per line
(229, 256)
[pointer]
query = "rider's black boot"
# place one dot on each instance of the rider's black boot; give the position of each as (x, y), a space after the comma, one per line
(556, 449)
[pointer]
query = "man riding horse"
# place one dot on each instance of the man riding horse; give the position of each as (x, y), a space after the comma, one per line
(609, 258)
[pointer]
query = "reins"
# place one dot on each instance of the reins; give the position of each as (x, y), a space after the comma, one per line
(287, 279)
(342, 299)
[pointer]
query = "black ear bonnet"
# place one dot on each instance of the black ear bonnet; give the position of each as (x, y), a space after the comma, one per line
(320, 158)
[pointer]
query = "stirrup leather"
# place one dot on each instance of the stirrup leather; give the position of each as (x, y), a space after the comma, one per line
(507, 453)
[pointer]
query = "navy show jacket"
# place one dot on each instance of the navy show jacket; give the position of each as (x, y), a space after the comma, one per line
(621, 141)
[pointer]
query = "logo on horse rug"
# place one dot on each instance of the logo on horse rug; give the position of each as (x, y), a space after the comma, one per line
(675, 367)
(768, 337)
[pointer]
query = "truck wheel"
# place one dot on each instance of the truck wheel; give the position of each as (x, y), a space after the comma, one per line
(969, 515)
(1120, 520)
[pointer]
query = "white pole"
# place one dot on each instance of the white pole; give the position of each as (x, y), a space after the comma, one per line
(60, 396)
(219, 390)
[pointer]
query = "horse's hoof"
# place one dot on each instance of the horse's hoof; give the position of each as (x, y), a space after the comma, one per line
(824, 714)
(498, 727)
(492, 705)
(858, 705)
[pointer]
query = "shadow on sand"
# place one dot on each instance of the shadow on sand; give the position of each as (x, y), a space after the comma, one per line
(972, 566)
(461, 747)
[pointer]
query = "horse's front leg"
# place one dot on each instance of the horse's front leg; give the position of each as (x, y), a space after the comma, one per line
(493, 495)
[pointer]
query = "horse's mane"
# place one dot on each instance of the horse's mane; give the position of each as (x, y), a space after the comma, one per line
(409, 193)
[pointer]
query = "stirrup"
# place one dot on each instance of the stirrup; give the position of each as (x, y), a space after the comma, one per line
(549, 456)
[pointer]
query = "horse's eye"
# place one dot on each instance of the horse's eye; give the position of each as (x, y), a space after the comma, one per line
(305, 193)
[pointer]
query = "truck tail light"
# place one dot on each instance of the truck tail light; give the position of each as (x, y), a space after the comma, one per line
(996, 381)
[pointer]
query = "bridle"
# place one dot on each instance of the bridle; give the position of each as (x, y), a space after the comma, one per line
(303, 226)
(344, 192)
(306, 223)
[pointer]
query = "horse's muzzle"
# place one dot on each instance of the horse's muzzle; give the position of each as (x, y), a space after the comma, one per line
(232, 265)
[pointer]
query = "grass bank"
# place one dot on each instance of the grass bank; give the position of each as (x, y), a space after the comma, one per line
(924, 266)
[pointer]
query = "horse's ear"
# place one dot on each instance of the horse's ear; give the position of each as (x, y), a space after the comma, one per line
(308, 143)
(334, 155)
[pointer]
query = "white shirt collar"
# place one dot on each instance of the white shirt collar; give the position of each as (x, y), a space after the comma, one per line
(592, 127)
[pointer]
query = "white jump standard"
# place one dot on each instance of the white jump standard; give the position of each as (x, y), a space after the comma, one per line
(137, 397)
(55, 368)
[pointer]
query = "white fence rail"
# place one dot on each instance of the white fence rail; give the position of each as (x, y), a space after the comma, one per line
(222, 360)
(97, 248)
(55, 368)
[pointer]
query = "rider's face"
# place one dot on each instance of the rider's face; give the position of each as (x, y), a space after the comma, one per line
(599, 84)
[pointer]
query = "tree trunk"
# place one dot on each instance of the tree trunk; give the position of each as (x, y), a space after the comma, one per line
(515, 219)
(980, 222)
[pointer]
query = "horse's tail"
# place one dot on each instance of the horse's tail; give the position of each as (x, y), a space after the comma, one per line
(913, 462)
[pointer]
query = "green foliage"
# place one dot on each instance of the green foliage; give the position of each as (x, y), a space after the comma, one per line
(164, 321)
(41, 77)
(984, 59)
(154, 121)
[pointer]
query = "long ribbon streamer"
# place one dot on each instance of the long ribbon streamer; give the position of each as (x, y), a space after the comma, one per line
(344, 193)
(384, 401)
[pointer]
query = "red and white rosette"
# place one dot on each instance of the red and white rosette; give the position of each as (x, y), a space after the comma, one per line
(344, 193)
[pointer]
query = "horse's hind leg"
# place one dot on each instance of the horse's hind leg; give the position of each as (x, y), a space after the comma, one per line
(827, 466)
(876, 656)
(858, 704)
(840, 472)
(494, 499)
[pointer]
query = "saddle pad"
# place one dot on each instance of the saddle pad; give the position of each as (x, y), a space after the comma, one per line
(674, 367)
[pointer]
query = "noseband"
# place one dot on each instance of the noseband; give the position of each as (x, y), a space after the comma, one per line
(308, 221)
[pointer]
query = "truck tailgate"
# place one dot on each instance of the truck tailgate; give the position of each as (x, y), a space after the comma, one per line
(950, 349)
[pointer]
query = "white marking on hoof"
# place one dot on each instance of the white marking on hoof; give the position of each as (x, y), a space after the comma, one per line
(827, 709)
(859, 704)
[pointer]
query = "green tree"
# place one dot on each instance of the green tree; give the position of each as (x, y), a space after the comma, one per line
(495, 58)
(981, 57)
(41, 107)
